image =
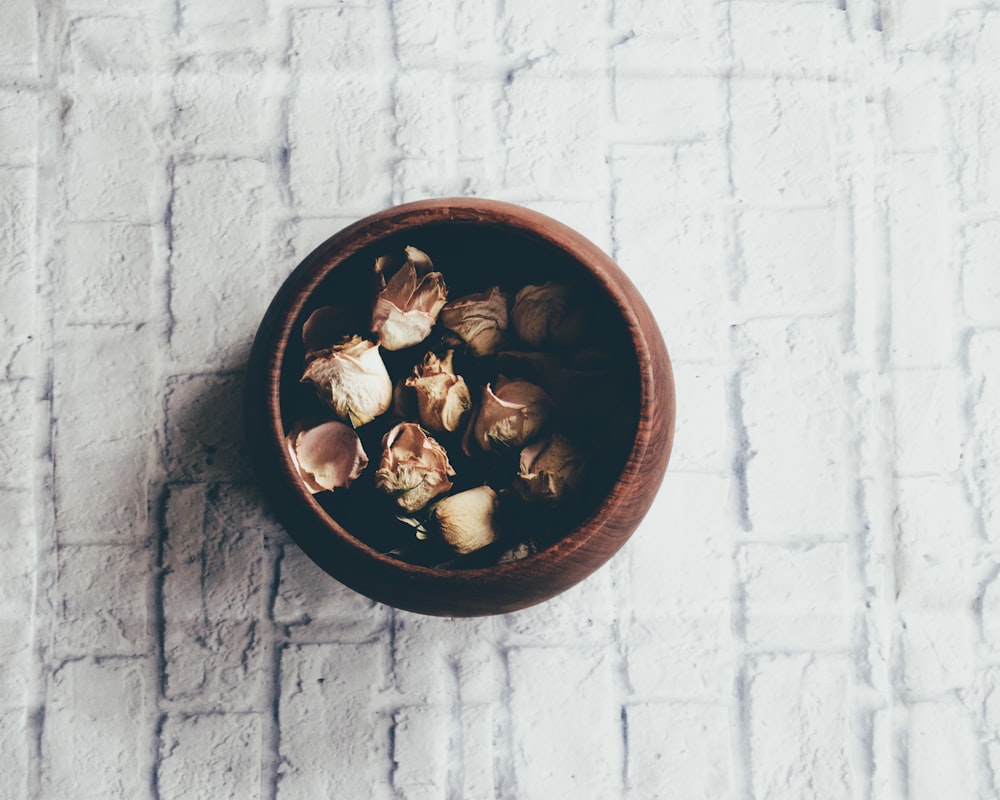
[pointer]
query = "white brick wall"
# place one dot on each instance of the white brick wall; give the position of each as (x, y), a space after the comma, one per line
(808, 194)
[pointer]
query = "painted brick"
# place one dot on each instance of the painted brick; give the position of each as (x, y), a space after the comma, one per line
(681, 268)
(583, 614)
(205, 439)
(315, 607)
(977, 39)
(207, 756)
(479, 734)
(795, 597)
(16, 662)
(109, 150)
(984, 358)
(934, 548)
(542, 35)
(423, 31)
(980, 276)
(700, 442)
(555, 690)
(419, 750)
(17, 590)
(17, 557)
(801, 40)
(19, 38)
(219, 104)
(669, 108)
(425, 107)
(322, 686)
(478, 145)
(107, 278)
(937, 651)
(348, 38)
(213, 598)
(103, 595)
(102, 491)
(686, 655)
(478, 665)
(804, 444)
(553, 136)
(989, 601)
(684, 564)
(228, 22)
(673, 745)
(679, 635)
(17, 272)
(923, 327)
(18, 127)
(913, 23)
(915, 116)
(16, 417)
(108, 46)
(420, 178)
(14, 739)
(780, 142)
(126, 407)
(650, 178)
(218, 219)
(800, 727)
(426, 652)
(102, 451)
(942, 751)
(974, 108)
(678, 39)
(927, 412)
(98, 723)
(340, 144)
(793, 259)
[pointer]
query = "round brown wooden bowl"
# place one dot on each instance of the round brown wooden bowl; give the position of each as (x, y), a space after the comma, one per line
(475, 243)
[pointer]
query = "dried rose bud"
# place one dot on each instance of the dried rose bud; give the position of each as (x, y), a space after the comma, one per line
(352, 378)
(550, 470)
(465, 520)
(479, 319)
(510, 416)
(328, 326)
(442, 396)
(409, 301)
(414, 467)
(327, 456)
(550, 314)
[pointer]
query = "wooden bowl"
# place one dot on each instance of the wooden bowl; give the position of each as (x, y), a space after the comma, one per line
(475, 243)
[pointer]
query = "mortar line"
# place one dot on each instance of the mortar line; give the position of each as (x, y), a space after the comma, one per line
(49, 214)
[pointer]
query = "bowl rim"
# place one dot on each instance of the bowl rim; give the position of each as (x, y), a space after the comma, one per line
(656, 391)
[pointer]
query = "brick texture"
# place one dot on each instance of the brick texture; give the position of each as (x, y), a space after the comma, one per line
(807, 193)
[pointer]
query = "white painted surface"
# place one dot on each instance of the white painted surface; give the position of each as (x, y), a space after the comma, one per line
(808, 194)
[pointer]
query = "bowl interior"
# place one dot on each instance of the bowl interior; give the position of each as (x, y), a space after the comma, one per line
(474, 256)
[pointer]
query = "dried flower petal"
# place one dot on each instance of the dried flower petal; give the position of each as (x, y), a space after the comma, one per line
(442, 396)
(479, 319)
(409, 301)
(327, 457)
(352, 378)
(465, 520)
(414, 468)
(510, 416)
(550, 314)
(550, 470)
(328, 326)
